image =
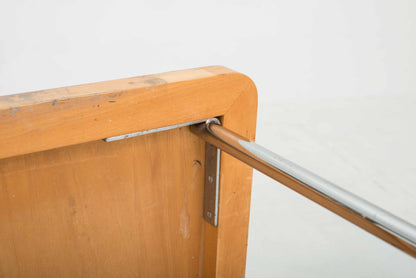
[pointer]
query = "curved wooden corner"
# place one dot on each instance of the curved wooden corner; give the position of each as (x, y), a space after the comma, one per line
(48, 119)
(226, 247)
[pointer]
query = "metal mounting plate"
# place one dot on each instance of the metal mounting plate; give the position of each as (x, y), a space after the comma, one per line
(212, 182)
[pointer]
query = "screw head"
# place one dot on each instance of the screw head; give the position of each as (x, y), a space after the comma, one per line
(210, 179)
(209, 214)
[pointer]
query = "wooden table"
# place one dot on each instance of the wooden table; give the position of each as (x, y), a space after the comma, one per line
(72, 205)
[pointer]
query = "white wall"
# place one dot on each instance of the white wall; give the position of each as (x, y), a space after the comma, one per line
(295, 51)
(365, 145)
(292, 49)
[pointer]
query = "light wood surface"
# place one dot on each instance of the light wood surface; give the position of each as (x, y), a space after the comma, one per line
(72, 205)
(54, 118)
(131, 208)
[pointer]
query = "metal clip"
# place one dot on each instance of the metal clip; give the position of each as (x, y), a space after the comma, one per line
(212, 184)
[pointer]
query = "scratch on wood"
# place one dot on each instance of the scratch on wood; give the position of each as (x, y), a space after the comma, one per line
(184, 221)
(52, 164)
(149, 206)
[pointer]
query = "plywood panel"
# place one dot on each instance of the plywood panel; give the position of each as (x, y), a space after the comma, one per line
(131, 208)
(72, 205)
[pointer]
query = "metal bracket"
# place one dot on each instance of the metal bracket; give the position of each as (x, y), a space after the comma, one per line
(212, 184)
(212, 167)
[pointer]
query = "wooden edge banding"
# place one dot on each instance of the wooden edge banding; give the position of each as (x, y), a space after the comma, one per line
(232, 147)
(108, 87)
(228, 242)
(43, 120)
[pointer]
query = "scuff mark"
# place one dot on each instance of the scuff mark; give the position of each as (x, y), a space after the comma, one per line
(72, 204)
(14, 109)
(54, 102)
(155, 81)
(71, 201)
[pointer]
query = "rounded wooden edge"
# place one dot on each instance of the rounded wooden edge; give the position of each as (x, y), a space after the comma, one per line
(60, 117)
(225, 248)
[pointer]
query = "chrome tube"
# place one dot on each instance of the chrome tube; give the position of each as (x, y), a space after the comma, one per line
(351, 207)
(355, 203)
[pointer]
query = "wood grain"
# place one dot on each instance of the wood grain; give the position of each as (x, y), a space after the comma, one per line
(54, 118)
(131, 208)
(235, 191)
(72, 205)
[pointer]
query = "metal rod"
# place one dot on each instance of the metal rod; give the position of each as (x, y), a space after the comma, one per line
(366, 209)
(362, 213)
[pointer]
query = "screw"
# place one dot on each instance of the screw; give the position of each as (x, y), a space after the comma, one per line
(210, 179)
(209, 214)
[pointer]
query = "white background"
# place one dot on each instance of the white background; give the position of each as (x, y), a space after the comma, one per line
(336, 82)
